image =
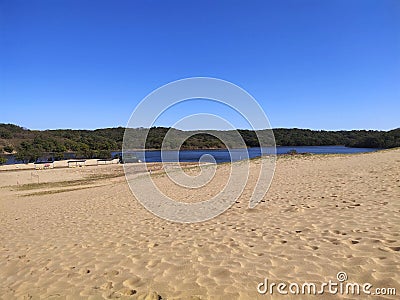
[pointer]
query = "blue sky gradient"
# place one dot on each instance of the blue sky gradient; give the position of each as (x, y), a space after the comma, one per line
(309, 63)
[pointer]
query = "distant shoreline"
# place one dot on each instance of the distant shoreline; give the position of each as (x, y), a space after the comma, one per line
(194, 155)
(30, 145)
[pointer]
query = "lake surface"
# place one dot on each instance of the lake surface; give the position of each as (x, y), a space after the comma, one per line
(221, 156)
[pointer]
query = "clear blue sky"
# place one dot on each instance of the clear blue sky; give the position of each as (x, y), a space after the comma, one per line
(310, 63)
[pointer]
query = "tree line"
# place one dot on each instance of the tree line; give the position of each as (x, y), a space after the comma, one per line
(29, 145)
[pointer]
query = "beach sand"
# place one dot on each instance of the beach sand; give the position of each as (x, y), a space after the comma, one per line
(79, 233)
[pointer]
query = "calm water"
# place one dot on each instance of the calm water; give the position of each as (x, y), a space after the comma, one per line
(221, 156)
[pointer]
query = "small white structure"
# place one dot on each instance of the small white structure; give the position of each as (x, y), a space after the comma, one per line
(107, 161)
(76, 163)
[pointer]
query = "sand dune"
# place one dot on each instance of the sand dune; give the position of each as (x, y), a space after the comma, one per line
(80, 234)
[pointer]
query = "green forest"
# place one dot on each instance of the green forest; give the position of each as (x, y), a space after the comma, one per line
(29, 145)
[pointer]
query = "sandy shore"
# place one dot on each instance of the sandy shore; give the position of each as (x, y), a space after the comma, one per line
(80, 234)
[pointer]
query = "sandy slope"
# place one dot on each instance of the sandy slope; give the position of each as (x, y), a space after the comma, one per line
(83, 235)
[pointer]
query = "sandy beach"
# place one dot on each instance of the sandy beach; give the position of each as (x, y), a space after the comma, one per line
(78, 233)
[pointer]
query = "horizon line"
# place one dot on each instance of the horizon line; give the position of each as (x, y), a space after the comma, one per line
(170, 127)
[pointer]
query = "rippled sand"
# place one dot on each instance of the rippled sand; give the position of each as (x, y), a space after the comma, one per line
(79, 233)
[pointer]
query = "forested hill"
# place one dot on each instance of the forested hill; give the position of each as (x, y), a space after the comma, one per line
(95, 143)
